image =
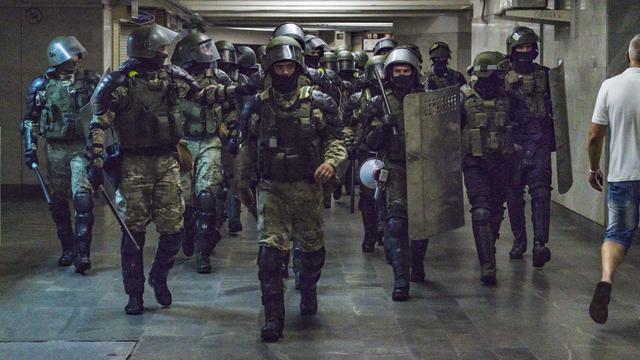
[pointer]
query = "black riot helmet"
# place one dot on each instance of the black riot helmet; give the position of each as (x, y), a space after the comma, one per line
(291, 30)
(329, 61)
(313, 42)
(196, 47)
(63, 48)
(346, 62)
(361, 59)
(375, 63)
(247, 58)
(384, 46)
(283, 48)
(228, 53)
(402, 56)
(261, 52)
(521, 35)
(439, 49)
(150, 42)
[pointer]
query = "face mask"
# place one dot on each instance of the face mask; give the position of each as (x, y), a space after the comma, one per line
(284, 84)
(525, 57)
(311, 61)
(68, 67)
(197, 68)
(157, 61)
(440, 67)
(230, 69)
(402, 82)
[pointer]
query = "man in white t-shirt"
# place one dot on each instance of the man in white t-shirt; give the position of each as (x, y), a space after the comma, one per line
(618, 109)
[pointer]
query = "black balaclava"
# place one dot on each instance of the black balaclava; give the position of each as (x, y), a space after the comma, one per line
(523, 61)
(230, 69)
(402, 85)
(312, 61)
(285, 84)
(440, 66)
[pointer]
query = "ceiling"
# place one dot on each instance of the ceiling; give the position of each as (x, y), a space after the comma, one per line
(346, 14)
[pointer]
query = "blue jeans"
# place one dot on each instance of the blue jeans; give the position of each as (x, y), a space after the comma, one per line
(623, 202)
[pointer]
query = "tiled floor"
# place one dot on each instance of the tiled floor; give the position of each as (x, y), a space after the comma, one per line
(50, 312)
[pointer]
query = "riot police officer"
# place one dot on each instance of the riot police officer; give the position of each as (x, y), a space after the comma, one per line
(401, 67)
(487, 150)
(357, 121)
(228, 63)
(54, 100)
(527, 84)
(314, 48)
(442, 76)
(361, 59)
(247, 61)
(140, 101)
(329, 61)
(201, 186)
(299, 146)
(384, 46)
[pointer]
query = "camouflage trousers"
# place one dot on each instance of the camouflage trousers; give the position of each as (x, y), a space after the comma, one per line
(207, 171)
(290, 212)
(150, 190)
(396, 190)
(67, 168)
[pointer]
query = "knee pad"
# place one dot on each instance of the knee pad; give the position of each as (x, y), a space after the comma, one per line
(83, 203)
(270, 259)
(480, 215)
(206, 202)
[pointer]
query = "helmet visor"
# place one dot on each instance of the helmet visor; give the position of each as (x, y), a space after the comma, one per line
(346, 65)
(206, 52)
(284, 52)
(159, 38)
(228, 56)
(64, 49)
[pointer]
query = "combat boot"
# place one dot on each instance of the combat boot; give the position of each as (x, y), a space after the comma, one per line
(418, 252)
(135, 306)
(519, 246)
(203, 263)
(312, 263)
(272, 289)
(541, 216)
(398, 243)
(518, 227)
(83, 203)
(484, 240)
(188, 243)
(133, 271)
(61, 215)
(168, 247)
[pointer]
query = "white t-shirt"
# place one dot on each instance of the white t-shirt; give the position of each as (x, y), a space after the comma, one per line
(618, 106)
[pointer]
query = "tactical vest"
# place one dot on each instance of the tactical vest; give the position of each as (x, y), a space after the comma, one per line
(201, 121)
(289, 144)
(151, 117)
(395, 150)
(488, 130)
(62, 100)
(436, 82)
(533, 88)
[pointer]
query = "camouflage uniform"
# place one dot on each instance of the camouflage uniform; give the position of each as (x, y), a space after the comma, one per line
(298, 130)
(141, 102)
(53, 105)
(391, 149)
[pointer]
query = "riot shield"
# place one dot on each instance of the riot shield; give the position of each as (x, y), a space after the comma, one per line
(564, 173)
(434, 162)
